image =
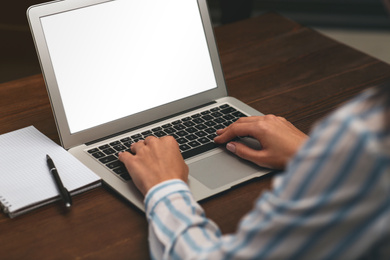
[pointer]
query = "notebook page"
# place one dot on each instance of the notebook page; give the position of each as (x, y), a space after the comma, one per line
(24, 175)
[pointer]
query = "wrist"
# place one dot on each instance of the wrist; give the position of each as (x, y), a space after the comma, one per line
(161, 190)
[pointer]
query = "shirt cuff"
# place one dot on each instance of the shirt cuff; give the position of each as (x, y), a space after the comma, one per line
(161, 190)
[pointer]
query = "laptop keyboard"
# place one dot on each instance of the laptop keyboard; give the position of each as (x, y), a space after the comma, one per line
(194, 135)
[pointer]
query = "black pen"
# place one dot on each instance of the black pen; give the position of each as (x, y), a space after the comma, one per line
(63, 191)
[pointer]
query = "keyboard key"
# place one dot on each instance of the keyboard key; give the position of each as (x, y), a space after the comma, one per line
(136, 136)
(98, 155)
(196, 116)
(194, 144)
(107, 159)
(149, 134)
(167, 126)
(146, 133)
(160, 134)
(93, 150)
(115, 143)
(179, 127)
(157, 129)
(106, 146)
(199, 150)
(224, 106)
(210, 123)
(176, 122)
(186, 119)
(127, 139)
(184, 147)
(201, 127)
(212, 136)
(109, 151)
(203, 140)
(210, 130)
(217, 127)
(216, 114)
(227, 123)
(239, 114)
(228, 117)
(181, 133)
(228, 110)
(175, 136)
(191, 137)
(207, 117)
(191, 130)
(189, 124)
(119, 147)
(219, 120)
(127, 144)
(201, 133)
(170, 130)
(182, 140)
(125, 176)
(120, 170)
(198, 120)
(114, 164)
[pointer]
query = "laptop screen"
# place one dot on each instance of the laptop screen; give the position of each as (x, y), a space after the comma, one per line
(119, 58)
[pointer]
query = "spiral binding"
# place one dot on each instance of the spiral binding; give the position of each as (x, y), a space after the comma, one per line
(5, 205)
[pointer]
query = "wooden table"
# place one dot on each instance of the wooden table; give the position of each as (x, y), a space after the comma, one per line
(272, 63)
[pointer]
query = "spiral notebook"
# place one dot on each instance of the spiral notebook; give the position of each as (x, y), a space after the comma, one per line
(25, 180)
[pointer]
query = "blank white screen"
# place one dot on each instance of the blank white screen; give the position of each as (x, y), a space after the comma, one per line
(122, 57)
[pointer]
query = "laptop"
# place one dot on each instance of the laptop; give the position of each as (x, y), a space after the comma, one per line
(117, 71)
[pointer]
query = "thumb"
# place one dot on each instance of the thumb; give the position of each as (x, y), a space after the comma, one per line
(246, 152)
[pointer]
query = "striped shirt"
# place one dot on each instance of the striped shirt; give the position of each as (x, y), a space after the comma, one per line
(332, 202)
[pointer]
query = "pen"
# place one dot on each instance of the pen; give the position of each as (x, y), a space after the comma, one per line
(63, 191)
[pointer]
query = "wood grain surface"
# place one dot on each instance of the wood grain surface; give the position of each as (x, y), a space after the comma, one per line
(272, 63)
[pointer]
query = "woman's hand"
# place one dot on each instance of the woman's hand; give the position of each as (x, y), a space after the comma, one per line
(155, 160)
(279, 139)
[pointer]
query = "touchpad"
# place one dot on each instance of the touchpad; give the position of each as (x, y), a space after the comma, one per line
(221, 169)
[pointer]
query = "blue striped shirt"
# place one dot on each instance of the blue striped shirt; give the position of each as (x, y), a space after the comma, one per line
(332, 202)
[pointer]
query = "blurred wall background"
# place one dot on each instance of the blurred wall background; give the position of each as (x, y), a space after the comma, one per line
(17, 52)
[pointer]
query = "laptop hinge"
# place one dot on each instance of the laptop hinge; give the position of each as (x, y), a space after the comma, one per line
(147, 124)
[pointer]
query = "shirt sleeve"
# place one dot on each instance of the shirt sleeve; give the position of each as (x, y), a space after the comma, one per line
(178, 227)
(333, 202)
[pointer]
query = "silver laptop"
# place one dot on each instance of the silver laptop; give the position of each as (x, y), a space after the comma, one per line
(117, 71)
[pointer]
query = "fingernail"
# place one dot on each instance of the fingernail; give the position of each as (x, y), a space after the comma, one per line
(219, 131)
(231, 147)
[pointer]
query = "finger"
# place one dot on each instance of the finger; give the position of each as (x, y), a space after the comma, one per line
(136, 146)
(234, 130)
(245, 126)
(169, 142)
(246, 153)
(129, 161)
(149, 139)
(125, 157)
(241, 120)
(168, 139)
